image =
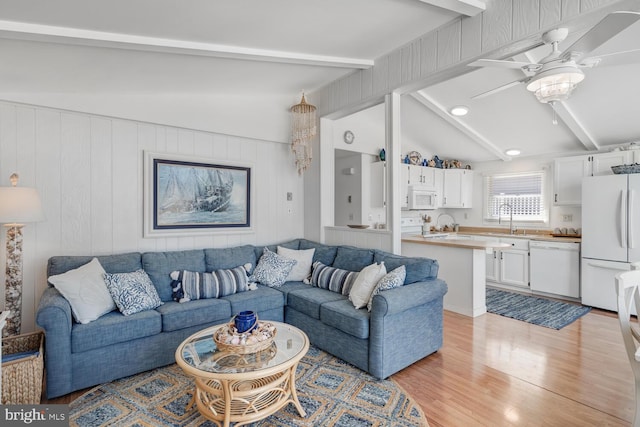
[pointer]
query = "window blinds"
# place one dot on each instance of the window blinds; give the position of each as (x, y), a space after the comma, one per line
(520, 193)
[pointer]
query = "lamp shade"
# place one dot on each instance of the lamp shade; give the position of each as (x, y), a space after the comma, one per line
(20, 205)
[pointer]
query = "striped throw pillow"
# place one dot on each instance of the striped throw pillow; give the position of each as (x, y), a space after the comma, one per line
(190, 285)
(333, 279)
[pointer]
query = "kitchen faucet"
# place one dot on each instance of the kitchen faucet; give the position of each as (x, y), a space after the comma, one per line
(512, 230)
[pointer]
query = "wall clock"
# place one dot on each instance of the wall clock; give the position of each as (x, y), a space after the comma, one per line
(348, 137)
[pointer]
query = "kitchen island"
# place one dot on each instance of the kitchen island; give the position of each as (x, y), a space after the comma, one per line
(462, 265)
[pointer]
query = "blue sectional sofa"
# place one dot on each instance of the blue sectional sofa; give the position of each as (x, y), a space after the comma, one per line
(404, 324)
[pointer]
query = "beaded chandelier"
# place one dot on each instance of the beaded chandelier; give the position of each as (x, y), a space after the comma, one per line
(303, 129)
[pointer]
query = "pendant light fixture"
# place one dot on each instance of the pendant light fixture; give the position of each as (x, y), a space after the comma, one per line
(303, 129)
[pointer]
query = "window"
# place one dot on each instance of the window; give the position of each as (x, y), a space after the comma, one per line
(522, 194)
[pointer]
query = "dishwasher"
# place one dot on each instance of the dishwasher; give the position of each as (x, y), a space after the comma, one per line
(554, 268)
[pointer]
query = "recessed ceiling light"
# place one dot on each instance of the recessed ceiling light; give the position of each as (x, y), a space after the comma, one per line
(459, 110)
(512, 152)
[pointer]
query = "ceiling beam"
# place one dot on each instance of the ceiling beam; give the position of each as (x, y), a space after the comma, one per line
(573, 124)
(463, 7)
(442, 112)
(77, 36)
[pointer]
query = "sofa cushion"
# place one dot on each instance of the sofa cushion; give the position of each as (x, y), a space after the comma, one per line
(288, 287)
(259, 300)
(333, 279)
(352, 258)
(176, 316)
(85, 289)
(391, 280)
(365, 283)
(159, 266)
(190, 285)
(342, 316)
(324, 253)
(302, 269)
(119, 263)
(272, 269)
(132, 292)
(418, 269)
(308, 301)
(113, 328)
(293, 244)
(226, 258)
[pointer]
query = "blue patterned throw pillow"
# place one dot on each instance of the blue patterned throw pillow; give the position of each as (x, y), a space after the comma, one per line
(393, 279)
(333, 279)
(189, 285)
(132, 292)
(272, 269)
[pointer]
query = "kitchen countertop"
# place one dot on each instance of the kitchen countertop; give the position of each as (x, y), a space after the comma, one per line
(532, 236)
(455, 243)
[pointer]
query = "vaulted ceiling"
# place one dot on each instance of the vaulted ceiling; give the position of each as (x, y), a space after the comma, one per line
(236, 66)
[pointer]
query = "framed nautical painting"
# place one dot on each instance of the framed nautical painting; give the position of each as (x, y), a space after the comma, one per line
(186, 195)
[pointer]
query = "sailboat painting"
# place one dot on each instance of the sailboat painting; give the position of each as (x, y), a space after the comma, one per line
(200, 195)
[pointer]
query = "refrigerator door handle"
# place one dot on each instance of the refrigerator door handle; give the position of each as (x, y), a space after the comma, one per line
(631, 196)
(623, 219)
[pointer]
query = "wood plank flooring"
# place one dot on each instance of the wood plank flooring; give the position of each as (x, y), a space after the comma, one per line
(495, 371)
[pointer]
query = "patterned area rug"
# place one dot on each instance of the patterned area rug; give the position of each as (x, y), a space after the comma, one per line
(539, 311)
(332, 392)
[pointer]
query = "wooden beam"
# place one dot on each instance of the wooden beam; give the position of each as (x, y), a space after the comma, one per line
(573, 124)
(463, 7)
(77, 36)
(442, 112)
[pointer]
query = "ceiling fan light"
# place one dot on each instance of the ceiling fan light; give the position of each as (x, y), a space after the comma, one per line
(459, 110)
(555, 84)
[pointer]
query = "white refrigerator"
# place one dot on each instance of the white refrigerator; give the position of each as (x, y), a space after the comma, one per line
(610, 235)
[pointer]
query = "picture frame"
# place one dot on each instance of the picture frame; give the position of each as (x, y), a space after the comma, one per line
(187, 195)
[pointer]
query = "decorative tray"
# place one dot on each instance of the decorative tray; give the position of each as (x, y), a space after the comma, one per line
(621, 169)
(228, 339)
(361, 226)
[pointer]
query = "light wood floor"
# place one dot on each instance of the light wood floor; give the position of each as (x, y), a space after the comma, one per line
(495, 371)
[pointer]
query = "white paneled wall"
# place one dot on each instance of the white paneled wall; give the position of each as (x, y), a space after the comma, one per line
(89, 172)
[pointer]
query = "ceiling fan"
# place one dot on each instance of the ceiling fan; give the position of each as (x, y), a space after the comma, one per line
(555, 76)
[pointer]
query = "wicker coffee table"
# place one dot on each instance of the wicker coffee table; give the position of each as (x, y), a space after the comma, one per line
(243, 388)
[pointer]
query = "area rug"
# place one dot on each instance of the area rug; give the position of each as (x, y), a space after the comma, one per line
(332, 392)
(539, 311)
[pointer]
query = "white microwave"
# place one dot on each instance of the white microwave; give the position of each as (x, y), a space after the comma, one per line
(422, 198)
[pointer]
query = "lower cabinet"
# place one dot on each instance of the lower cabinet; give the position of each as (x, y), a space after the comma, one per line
(509, 266)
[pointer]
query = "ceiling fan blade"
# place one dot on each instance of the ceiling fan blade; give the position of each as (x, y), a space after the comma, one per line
(626, 57)
(604, 30)
(498, 63)
(499, 89)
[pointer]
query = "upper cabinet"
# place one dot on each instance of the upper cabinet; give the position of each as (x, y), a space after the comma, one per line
(569, 171)
(422, 176)
(457, 188)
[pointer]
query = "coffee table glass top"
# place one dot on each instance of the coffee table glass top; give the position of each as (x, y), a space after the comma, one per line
(200, 352)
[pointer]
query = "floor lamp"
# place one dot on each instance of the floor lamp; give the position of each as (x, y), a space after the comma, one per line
(18, 205)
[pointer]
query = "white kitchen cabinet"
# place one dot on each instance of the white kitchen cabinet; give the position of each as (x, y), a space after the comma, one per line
(569, 171)
(509, 266)
(422, 176)
(457, 188)
(377, 187)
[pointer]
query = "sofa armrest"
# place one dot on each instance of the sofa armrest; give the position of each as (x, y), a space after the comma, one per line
(54, 316)
(401, 299)
(406, 324)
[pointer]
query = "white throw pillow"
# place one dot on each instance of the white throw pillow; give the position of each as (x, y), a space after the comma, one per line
(304, 258)
(365, 283)
(86, 291)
